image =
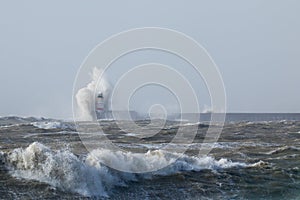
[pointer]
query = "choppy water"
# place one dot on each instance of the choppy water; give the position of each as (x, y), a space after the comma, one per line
(254, 159)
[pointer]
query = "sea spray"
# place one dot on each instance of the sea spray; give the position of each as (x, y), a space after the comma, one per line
(85, 97)
(61, 169)
(88, 176)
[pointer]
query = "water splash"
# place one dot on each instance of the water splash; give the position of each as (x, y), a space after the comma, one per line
(85, 97)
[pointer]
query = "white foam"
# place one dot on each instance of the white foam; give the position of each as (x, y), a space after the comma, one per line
(89, 177)
(50, 133)
(52, 125)
(132, 134)
(85, 96)
(282, 149)
(191, 124)
(9, 126)
(60, 169)
(259, 164)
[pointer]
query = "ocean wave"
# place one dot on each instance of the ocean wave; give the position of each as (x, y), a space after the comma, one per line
(46, 125)
(9, 120)
(10, 126)
(61, 169)
(53, 125)
(89, 177)
(260, 164)
(283, 149)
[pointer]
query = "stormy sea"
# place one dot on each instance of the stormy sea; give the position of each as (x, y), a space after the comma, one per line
(257, 156)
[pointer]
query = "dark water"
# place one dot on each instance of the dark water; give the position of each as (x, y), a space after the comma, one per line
(256, 157)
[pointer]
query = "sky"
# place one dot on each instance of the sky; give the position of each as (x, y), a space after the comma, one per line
(254, 43)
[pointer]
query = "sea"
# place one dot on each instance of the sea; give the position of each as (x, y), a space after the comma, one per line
(257, 156)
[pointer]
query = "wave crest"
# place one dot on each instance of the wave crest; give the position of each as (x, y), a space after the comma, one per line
(88, 177)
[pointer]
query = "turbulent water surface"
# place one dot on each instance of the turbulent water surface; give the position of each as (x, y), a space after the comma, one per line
(258, 158)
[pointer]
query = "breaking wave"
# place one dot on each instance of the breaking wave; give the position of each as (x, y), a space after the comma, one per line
(11, 121)
(54, 125)
(283, 149)
(40, 123)
(87, 176)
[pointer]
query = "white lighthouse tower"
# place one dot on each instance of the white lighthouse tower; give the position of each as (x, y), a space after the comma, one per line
(100, 112)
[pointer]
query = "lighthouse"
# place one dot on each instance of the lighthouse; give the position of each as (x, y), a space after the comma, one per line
(100, 106)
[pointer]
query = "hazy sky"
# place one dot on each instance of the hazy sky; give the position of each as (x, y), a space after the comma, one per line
(255, 44)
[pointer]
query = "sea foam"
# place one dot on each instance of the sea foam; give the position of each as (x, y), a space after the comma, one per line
(53, 125)
(89, 177)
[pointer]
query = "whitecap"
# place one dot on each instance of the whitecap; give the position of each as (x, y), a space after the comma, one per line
(89, 177)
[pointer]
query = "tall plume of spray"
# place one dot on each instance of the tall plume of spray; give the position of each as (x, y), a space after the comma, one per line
(85, 97)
